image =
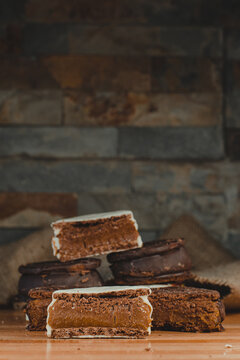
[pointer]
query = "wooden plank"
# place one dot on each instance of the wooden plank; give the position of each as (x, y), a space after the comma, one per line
(17, 343)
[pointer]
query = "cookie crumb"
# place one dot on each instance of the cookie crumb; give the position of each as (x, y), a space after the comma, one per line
(148, 348)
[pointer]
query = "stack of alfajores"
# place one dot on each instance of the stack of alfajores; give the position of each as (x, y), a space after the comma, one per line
(67, 296)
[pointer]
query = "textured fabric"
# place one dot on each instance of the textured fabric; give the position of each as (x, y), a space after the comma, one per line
(213, 266)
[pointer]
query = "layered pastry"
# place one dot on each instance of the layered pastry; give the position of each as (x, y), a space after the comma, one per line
(36, 308)
(122, 312)
(95, 235)
(79, 273)
(161, 261)
(186, 309)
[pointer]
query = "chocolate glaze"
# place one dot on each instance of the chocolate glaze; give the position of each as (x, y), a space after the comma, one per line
(56, 266)
(170, 262)
(148, 249)
(158, 279)
(59, 280)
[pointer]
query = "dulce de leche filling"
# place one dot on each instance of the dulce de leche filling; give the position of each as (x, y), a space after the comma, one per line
(111, 312)
(79, 239)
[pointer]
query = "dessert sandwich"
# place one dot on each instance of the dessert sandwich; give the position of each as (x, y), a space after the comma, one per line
(96, 234)
(39, 280)
(66, 297)
(106, 312)
(187, 309)
(161, 261)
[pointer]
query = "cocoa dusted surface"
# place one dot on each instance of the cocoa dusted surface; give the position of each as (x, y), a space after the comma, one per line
(53, 266)
(148, 249)
(99, 331)
(41, 293)
(173, 261)
(86, 238)
(187, 309)
(59, 280)
(177, 278)
(130, 293)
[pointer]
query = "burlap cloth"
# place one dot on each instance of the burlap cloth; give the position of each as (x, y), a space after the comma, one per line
(213, 266)
(33, 248)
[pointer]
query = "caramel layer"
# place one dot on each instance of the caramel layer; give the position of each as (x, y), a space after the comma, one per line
(114, 312)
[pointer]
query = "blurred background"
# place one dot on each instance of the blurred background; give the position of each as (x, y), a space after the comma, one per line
(117, 104)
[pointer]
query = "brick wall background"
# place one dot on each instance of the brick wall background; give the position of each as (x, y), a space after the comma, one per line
(118, 104)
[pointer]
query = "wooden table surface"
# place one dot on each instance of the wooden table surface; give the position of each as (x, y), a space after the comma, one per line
(17, 343)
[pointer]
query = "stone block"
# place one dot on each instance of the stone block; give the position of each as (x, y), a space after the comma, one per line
(182, 74)
(121, 11)
(83, 11)
(171, 143)
(233, 143)
(45, 39)
(10, 39)
(12, 11)
(59, 142)
(232, 75)
(24, 74)
(153, 177)
(102, 73)
(145, 40)
(64, 176)
(144, 109)
(188, 177)
(164, 12)
(233, 44)
(35, 107)
(233, 109)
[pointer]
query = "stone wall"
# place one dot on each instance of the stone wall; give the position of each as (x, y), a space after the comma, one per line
(108, 105)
